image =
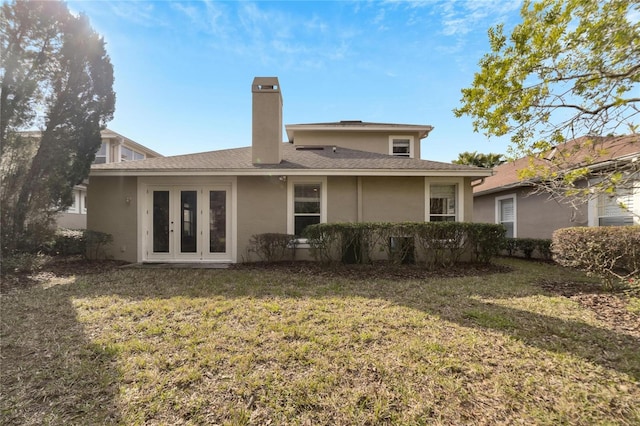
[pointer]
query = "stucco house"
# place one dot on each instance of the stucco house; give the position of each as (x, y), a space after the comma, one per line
(205, 207)
(505, 198)
(115, 148)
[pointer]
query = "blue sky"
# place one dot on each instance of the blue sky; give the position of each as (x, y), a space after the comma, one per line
(183, 70)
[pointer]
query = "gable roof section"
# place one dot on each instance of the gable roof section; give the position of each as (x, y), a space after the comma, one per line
(297, 160)
(110, 134)
(599, 153)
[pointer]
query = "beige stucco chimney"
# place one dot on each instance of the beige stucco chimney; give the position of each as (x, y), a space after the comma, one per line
(266, 144)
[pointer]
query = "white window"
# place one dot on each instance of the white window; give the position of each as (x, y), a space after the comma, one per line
(127, 154)
(307, 203)
(506, 214)
(83, 201)
(75, 205)
(401, 146)
(101, 155)
(616, 209)
(442, 203)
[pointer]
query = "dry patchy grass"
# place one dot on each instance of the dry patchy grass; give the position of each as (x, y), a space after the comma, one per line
(311, 345)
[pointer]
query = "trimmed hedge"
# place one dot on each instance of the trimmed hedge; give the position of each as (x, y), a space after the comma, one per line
(84, 242)
(528, 246)
(610, 253)
(271, 247)
(435, 244)
(66, 242)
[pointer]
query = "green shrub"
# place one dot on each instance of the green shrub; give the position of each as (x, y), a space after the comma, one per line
(271, 247)
(345, 242)
(34, 236)
(486, 240)
(511, 246)
(528, 247)
(18, 263)
(443, 243)
(432, 243)
(95, 242)
(544, 248)
(66, 242)
(610, 253)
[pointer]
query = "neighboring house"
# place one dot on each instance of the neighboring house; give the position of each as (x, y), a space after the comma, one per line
(115, 148)
(526, 213)
(205, 207)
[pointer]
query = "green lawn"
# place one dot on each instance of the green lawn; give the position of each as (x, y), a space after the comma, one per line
(311, 346)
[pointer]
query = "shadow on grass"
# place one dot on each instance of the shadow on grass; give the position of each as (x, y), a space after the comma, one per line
(51, 372)
(447, 299)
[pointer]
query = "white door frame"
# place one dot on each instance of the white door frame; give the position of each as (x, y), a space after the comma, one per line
(146, 187)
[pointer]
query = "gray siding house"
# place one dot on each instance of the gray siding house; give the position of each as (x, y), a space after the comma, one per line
(504, 198)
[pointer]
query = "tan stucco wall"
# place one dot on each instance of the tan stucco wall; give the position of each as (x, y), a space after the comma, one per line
(342, 199)
(392, 199)
(262, 208)
(107, 211)
(373, 142)
(537, 216)
(267, 121)
(261, 205)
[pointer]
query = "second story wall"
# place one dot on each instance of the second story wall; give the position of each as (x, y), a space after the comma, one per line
(406, 143)
(401, 140)
(116, 148)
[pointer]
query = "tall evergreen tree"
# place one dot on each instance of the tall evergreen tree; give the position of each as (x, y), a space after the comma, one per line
(57, 83)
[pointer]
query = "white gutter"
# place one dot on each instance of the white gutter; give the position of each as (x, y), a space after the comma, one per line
(357, 127)
(293, 172)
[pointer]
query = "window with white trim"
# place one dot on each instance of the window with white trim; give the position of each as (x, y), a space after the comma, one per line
(306, 210)
(79, 202)
(506, 214)
(101, 154)
(401, 146)
(75, 203)
(307, 201)
(616, 209)
(127, 154)
(442, 203)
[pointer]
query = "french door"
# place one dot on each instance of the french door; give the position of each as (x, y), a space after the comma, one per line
(188, 223)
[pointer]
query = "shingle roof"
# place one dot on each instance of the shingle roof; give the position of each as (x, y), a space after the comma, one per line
(295, 158)
(597, 151)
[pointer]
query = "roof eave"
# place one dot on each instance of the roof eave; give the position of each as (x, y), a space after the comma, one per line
(292, 128)
(629, 158)
(292, 172)
(108, 134)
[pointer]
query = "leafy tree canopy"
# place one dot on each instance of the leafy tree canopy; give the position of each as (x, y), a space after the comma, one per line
(57, 79)
(479, 160)
(570, 69)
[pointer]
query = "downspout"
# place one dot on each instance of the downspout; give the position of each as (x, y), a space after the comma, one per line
(473, 185)
(359, 198)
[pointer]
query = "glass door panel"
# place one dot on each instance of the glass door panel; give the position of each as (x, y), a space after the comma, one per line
(161, 228)
(217, 221)
(189, 221)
